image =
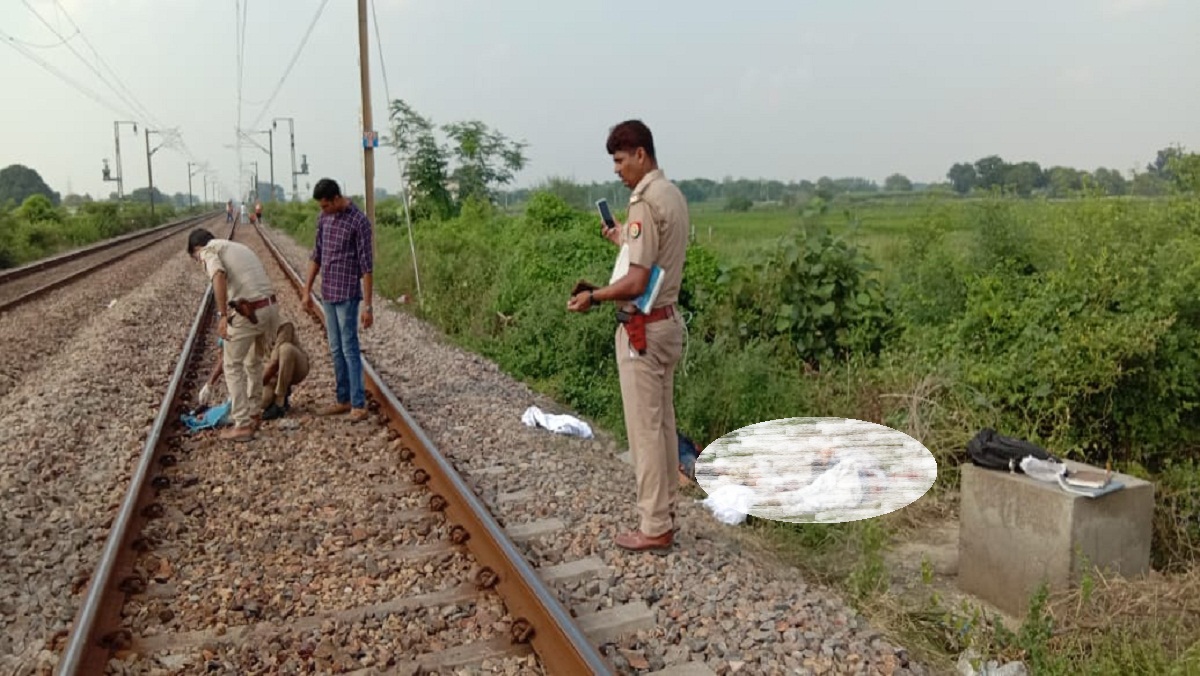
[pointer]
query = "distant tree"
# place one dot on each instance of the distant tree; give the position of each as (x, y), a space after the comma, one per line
(1148, 184)
(1185, 171)
(143, 195)
(739, 204)
(826, 188)
(1161, 166)
(897, 183)
(17, 182)
(486, 159)
(992, 172)
(1064, 181)
(426, 162)
(963, 177)
(1024, 177)
(38, 209)
(1111, 181)
(570, 192)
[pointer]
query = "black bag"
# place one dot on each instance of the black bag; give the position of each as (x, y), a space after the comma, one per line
(994, 451)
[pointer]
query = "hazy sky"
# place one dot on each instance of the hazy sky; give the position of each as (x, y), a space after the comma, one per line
(786, 89)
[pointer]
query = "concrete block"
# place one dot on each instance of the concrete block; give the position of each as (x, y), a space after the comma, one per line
(1016, 532)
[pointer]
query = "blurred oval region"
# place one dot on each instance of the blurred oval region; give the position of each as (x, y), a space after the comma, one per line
(815, 470)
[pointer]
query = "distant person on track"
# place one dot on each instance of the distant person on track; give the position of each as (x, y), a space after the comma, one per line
(258, 212)
(238, 274)
(342, 255)
(242, 215)
(649, 345)
(229, 211)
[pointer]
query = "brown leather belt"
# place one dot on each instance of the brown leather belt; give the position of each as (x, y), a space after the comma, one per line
(660, 313)
(262, 302)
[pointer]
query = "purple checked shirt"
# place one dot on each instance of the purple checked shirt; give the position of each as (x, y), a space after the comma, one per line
(343, 250)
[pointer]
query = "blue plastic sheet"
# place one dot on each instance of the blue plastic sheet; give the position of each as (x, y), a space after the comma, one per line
(213, 417)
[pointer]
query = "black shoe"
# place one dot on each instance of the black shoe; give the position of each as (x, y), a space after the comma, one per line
(273, 411)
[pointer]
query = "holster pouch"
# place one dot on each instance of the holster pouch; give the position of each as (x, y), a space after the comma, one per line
(244, 308)
(635, 328)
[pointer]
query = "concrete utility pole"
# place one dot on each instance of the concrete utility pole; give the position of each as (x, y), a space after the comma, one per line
(190, 175)
(292, 140)
(120, 177)
(370, 138)
(270, 151)
(150, 168)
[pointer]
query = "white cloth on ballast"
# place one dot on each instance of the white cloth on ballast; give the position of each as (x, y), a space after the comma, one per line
(731, 503)
(561, 424)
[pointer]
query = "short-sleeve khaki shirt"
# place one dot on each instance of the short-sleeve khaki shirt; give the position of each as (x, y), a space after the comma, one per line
(245, 276)
(657, 231)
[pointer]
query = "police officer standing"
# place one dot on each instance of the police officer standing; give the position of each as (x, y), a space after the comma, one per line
(650, 344)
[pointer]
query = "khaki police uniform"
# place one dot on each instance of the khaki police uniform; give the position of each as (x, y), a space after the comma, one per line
(656, 233)
(248, 343)
(292, 363)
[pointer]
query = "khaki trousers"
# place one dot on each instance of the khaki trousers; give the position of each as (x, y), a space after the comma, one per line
(245, 351)
(293, 368)
(648, 399)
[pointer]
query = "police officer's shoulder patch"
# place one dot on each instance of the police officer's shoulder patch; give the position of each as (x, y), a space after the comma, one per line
(635, 229)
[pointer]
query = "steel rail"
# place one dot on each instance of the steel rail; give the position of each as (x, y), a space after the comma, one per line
(92, 635)
(540, 617)
(175, 229)
(65, 257)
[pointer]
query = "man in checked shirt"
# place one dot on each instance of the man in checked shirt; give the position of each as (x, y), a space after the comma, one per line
(342, 254)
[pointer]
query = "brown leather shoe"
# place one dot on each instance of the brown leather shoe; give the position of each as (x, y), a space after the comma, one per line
(335, 409)
(358, 414)
(238, 433)
(637, 541)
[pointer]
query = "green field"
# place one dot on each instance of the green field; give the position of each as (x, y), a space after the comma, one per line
(1072, 323)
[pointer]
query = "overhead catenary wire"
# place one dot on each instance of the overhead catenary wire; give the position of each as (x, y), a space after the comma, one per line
(133, 107)
(124, 99)
(99, 58)
(401, 162)
(295, 57)
(9, 40)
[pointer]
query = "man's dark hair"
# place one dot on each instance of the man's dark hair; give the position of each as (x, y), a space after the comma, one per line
(629, 136)
(198, 238)
(326, 189)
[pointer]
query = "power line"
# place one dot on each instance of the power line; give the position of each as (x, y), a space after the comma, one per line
(103, 62)
(54, 71)
(79, 56)
(295, 57)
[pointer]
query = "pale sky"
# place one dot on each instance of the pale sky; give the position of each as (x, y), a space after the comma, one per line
(784, 89)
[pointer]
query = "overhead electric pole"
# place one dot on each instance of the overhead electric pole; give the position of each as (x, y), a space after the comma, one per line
(370, 138)
(150, 169)
(292, 142)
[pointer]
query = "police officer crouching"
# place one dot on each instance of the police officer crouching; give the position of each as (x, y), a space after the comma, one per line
(648, 345)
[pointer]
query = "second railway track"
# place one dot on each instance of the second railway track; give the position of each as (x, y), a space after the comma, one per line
(321, 546)
(26, 283)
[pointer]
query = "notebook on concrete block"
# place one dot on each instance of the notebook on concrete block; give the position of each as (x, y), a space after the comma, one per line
(644, 302)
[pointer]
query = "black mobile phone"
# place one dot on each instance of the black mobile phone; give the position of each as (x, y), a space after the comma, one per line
(605, 214)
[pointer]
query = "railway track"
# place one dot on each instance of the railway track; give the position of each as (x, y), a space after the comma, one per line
(312, 551)
(28, 282)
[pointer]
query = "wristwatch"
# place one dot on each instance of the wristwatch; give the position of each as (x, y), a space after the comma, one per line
(368, 309)
(591, 297)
